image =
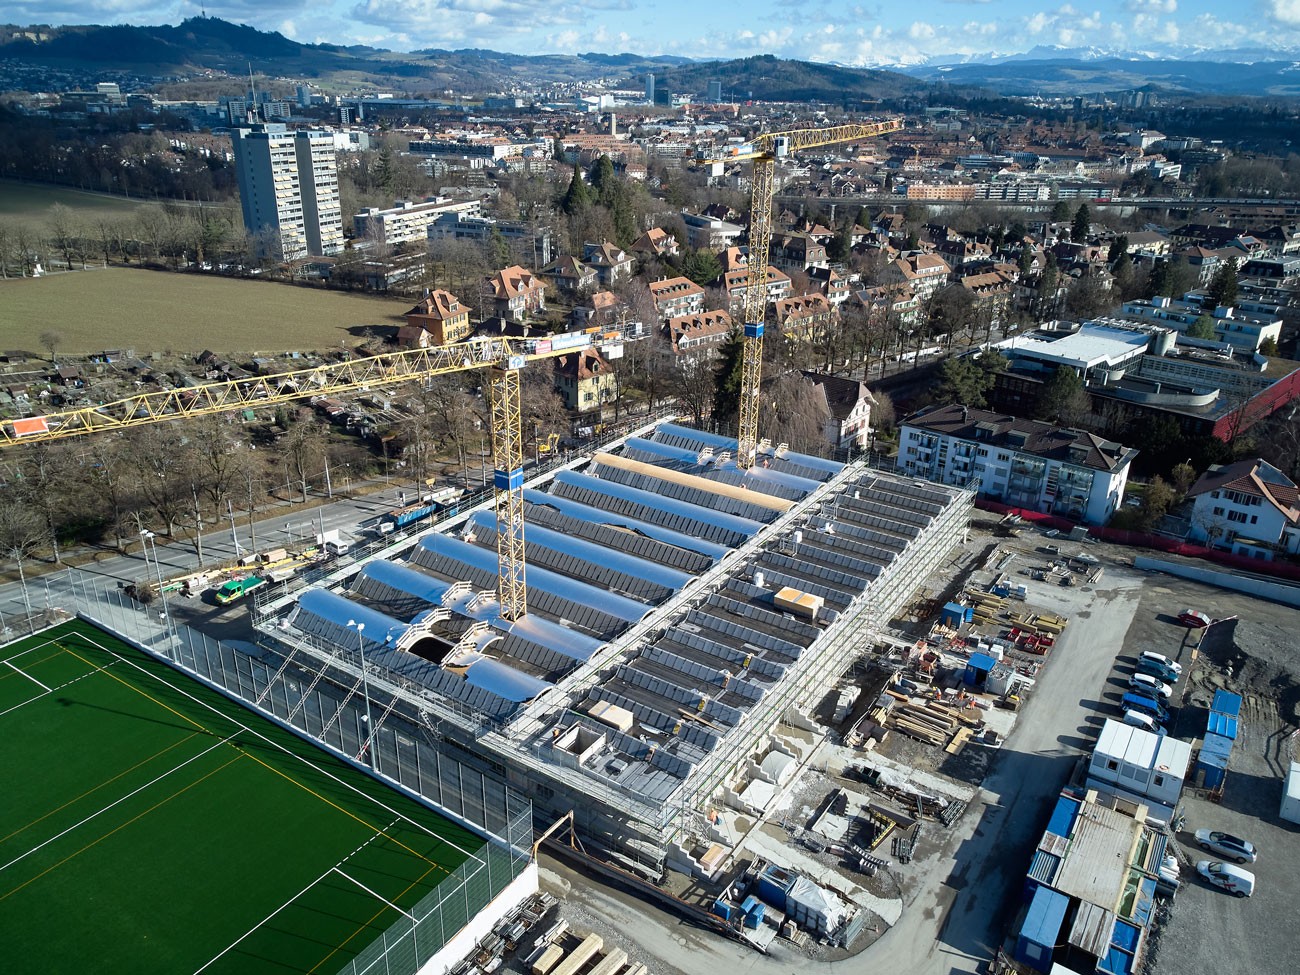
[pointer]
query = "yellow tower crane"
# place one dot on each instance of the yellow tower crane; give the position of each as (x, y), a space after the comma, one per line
(764, 150)
(503, 357)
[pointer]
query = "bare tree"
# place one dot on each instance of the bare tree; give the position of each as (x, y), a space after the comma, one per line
(792, 410)
(50, 343)
(691, 382)
(303, 449)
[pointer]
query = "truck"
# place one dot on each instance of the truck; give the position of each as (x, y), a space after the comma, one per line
(239, 588)
(407, 515)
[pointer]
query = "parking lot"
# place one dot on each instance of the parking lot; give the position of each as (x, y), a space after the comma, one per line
(1209, 930)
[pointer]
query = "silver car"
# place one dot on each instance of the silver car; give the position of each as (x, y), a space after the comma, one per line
(1226, 845)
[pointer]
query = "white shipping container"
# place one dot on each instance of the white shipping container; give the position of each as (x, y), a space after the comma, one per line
(1291, 795)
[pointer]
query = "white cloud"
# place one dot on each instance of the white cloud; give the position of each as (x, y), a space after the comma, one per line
(921, 31)
(1152, 6)
(1285, 11)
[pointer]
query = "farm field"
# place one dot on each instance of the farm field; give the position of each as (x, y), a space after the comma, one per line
(158, 311)
(31, 202)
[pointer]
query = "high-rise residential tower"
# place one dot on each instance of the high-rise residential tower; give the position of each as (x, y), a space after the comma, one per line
(289, 190)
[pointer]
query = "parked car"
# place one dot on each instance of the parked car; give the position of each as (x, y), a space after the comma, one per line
(1140, 719)
(1158, 670)
(1147, 705)
(1235, 880)
(1148, 685)
(1160, 658)
(1226, 845)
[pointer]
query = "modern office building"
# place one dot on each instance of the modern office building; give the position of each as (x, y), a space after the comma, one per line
(650, 89)
(289, 190)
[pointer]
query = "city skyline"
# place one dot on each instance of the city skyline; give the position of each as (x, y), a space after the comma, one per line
(857, 34)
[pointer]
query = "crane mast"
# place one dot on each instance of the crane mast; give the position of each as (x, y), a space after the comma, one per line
(504, 357)
(764, 150)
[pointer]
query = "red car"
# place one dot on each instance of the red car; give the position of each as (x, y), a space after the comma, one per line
(1194, 618)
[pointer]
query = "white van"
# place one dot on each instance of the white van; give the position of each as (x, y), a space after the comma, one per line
(1225, 876)
(1159, 658)
(337, 547)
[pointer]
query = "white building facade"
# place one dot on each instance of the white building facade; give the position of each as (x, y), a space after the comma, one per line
(289, 190)
(1250, 508)
(1018, 462)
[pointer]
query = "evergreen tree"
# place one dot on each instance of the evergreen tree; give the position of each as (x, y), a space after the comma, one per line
(1082, 224)
(727, 374)
(1222, 291)
(577, 197)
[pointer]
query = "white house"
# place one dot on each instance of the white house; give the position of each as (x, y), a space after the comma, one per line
(849, 403)
(1132, 761)
(1025, 463)
(1249, 507)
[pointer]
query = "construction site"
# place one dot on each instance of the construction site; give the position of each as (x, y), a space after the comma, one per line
(679, 609)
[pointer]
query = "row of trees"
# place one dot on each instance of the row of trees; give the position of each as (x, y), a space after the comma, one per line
(183, 478)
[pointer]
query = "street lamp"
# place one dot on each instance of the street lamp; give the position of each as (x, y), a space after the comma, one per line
(150, 537)
(365, 689)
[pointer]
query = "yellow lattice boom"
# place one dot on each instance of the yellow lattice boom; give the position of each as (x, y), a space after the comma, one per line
(504, 356)
(764, 150)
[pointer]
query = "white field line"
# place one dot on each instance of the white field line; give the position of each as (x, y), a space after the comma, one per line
(55, 689)
(10, 665)
(234, 944)
(420, 827)
(116, 802)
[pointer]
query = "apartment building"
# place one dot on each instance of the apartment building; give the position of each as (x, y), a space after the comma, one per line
(676, 296)
(289, 190)
(804, 318)
(585, 380)
(516, 293)
(849, 404)
(656, 242)
(1025, 463)
(1232, 326)
(439, 318)
(699, 334)
(704, 232)
(406, 222)
(612, 264)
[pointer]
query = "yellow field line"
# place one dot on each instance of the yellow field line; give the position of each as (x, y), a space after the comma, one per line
(101, 785)
(143, 693)
(118, 829)
(370, 826)
(343, 944)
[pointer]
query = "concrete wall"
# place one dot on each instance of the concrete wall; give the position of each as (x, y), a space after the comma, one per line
(1278, 592)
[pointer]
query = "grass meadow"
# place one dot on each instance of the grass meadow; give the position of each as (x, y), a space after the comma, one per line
(159, 311)
(30, 203)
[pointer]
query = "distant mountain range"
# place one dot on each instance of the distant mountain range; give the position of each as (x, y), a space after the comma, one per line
(1075, 75)
(206, 43)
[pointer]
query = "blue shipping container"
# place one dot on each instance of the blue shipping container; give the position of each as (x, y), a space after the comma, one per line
(1225, 702)
(1042, 928)
(773, 884)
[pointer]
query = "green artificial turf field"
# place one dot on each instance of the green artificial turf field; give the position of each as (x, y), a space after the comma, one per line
(151, 825)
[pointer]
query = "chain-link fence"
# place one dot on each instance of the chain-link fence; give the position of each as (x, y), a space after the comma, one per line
(326, 706)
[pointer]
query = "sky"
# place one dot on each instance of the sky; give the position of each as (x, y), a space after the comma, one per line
(843, 32)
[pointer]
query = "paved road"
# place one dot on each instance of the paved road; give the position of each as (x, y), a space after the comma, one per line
(288, 524)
